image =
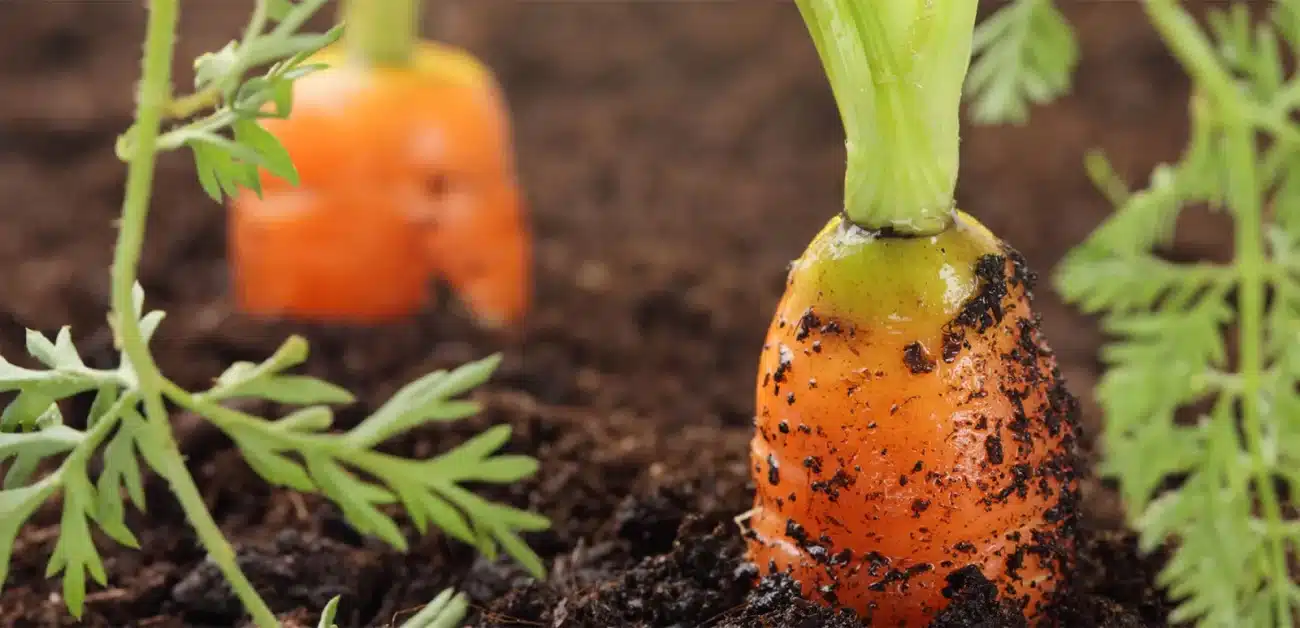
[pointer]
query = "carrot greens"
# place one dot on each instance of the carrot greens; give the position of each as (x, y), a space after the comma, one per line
(384, 32)
(1025, 54)
(1238, 459)
(128, 422)
(896, 69)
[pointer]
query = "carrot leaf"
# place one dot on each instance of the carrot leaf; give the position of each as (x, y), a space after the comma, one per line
(278, 10)
(296, 452)
(1025, 54)
(1202, 440)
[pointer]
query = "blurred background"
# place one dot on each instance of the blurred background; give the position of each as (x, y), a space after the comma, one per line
(675, 157)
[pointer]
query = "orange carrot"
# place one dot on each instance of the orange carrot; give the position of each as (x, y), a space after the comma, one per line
(911, 421)
(406, 166)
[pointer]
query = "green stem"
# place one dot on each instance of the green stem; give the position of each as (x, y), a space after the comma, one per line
(1252, 268)
(96, 433)
(210, 535)
(1190, 46)
(897, 68)
(233, 423)
(152, 101)
(380, 32)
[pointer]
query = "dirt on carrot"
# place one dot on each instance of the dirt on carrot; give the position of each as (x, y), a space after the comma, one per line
(632, 381)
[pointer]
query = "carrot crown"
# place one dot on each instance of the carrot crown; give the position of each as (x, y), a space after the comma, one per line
(896, 68)
(380, 32)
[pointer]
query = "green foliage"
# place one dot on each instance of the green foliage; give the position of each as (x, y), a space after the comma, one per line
(1235, 461)
(227, 162)
(25, 444)
(1025, 54)
(127, 423)
(296, 451)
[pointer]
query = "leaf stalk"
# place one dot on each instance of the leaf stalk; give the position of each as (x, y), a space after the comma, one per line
(380, 33)
(896, 69)
(152, 100)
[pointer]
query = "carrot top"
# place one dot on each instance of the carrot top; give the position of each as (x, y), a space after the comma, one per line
(896, 69)
(380, 32)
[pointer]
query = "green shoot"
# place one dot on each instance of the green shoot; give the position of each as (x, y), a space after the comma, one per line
(1239, 460)
(128, 422)
(1025, 54)
(896, 69)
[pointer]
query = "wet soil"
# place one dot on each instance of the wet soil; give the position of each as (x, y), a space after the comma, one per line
(677, 156)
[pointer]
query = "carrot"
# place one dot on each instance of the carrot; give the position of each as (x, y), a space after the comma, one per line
(404, 153)
(910, 417)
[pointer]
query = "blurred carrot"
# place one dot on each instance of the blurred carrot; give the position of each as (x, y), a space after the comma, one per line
(407, 173)
(911, 421)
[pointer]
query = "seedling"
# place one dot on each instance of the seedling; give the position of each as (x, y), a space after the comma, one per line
(128, 421)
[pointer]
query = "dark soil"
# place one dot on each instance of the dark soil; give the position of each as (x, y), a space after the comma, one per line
(677, 156)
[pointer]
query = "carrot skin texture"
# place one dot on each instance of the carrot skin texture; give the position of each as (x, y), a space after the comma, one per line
(406, 175)
(910, 422)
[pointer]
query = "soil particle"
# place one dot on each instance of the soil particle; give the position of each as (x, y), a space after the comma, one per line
(807, 323)
(917, 359)
(700, 579)
(776, 602)
(649, 524)
(993, 447)
(985, 309)
(975, 603)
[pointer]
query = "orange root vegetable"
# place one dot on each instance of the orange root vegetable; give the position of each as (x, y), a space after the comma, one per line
(911, 422)
(406, 174)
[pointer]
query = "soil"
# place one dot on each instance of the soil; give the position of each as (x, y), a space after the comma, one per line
(677, 156)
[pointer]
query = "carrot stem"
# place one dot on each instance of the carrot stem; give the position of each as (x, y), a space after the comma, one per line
(896, 68)
(380, 32)
(152, 99)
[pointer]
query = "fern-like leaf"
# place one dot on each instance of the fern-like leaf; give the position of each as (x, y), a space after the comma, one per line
(293, 452)
(1207, 490)
(1025, 54)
